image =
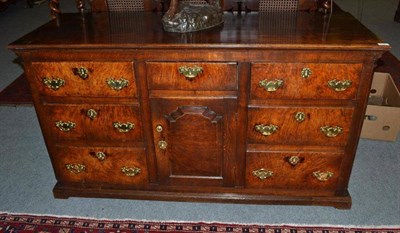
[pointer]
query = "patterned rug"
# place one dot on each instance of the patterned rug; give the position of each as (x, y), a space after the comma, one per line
(14, 223)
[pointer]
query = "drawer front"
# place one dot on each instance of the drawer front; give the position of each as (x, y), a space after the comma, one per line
(105, 123)
(101, 165)
(293, 170)
(100, 79)
(192, 76)
(304, 80)
(299, 125)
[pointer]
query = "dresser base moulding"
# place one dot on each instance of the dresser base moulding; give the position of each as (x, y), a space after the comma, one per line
(339, 202)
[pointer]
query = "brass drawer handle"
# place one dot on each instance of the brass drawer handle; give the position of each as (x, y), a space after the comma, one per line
(65, 126)
(124, 127)
(131, 171)
(331, 131)
(306, 73)
(53, 84)
(100, 155)
(294, 160)
(338, 85)
(323, 176)
(263, 173)
(91, 113)
(75, 168)
(82, 72)
(190, 73)
(266, 130)
(162, 145)
(117, 84)
(271, 85)
(300, 117)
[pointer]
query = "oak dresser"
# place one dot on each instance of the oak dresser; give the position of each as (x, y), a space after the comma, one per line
(265, 109)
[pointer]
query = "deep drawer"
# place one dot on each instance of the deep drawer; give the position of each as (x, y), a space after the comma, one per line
(304, 80)
(92, 79)
(92, 122)
(191, 76)
(101, 165)
(299, 125)
(293, 170)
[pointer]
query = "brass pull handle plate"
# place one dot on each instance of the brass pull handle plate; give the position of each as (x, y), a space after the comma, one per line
(162, 145)
(190, 73)
(65, 126)
(323, 176)
(331, 131)
(53, 84)
(124, 127)
(91, 113)
(338, 85)
(306, 73)
(75, 168)
(131, 171)
(82, 72)
(117, 84)
(271, 85)
(263, 173)
(266, 130)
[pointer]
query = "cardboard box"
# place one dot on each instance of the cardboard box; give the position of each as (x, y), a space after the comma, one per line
(382, 118)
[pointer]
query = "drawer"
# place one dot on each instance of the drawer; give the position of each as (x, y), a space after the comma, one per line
(304, 80)
(293, 170)
(101, 165)
(92, 79)
(93, 122)
(299, 125)
(192, 76)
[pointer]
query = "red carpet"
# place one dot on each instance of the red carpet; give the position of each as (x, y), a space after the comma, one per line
(14, 223)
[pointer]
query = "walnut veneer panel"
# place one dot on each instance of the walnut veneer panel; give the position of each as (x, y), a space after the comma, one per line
(94, 84)
(296, 86)
(106, 171)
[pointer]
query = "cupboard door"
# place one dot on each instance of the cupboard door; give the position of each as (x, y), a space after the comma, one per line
(195, 141)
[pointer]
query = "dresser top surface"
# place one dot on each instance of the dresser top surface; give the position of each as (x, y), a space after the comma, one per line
(300, 30)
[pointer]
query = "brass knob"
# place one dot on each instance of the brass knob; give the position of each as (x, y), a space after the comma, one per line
(53, 84)
(82, 72)
(271, 85)
(75, 168)
(339, 86)
(91, 113)
(117, 84)
(266, 130)
(331, 131)
(300, 117)
(159, 128)
(263, 173)
(124, 127)
(190, 73)
(162, 145)
(65, 126)
(306, 73)
(131, 171)
(323, 176)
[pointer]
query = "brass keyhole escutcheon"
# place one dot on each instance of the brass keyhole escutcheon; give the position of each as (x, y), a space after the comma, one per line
(91, 113)
(82, 72)
(159, 128)
(162, 145)
(300, 117)
(306, 73)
